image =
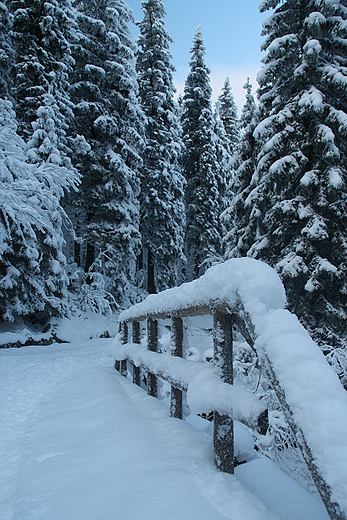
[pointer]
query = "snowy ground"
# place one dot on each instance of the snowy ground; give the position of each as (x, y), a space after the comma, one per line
(78, 441)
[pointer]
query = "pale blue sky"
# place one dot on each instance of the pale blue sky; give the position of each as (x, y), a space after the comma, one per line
(231, 30)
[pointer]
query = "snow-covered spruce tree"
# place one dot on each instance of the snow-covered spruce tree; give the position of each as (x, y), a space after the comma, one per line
(162, 181)
(42, 150)
(41, 32)
(42, 61)
(225, 164)
(6, 52)
(33, 281)
(237, 217)
(43, 143)
(107, 113)
(299, 188)
(228, 115)
(201, 168)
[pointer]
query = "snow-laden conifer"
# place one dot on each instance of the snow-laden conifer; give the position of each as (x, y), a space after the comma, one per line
(162, 181)
(225, 164)
(107, 113)
(6, 52)
(228, 115)
(41, 33)
(298, 191)
(33, 279)
(202, 239)
(236, 218)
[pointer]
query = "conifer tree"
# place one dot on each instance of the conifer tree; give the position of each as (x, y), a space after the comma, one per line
(41, 32)
(224, 162)
(201, 168)
(228, 115)
(162, 182)
(298, 192)
(107, 113)
(32, 266)
(238, 215)
(42, 61)
(6, 52)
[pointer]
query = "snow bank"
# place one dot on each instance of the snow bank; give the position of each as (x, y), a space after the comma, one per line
(316, 398)
(21, 337)
(276, 490)
(313, 392)
(85, 326)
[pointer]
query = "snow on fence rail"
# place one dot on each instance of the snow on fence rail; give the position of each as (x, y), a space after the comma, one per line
(249, 293)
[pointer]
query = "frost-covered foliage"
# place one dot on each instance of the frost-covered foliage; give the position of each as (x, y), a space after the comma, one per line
(162, 181)
(89, 293)
(237, 216)
(224, 158)
(41, 34)
(296, 198)
(107, 114)
(6, 52)
(41, 31)
(227, 136)
(228, 115)
(201, 167)
(43, 144)
(33, 280)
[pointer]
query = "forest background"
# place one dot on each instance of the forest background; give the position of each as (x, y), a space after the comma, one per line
(111, 189)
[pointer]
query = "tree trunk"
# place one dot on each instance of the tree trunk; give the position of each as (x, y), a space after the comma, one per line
(90, 256)
(150, 271)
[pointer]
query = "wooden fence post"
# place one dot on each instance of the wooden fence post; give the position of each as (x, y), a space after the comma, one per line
(223, 428)
(152, 341)
(136, 339)
(117, 363)
(123, 363)
(177, 339)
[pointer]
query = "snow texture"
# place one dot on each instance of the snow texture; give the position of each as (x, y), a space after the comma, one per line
(78, 441)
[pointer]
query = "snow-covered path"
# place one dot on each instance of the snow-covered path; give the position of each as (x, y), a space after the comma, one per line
(27, 376)
(78, 441)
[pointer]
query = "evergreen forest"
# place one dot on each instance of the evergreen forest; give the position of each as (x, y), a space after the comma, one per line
(112, 188)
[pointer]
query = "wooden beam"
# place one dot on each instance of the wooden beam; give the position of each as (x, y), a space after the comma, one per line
(223, 428)
(123, 363)
(177, 340)
(136, 339)
(152, 344)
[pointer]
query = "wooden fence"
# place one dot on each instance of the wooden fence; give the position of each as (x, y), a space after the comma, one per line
(224, 318)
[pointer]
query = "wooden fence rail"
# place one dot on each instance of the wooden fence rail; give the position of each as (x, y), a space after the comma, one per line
(223, 320)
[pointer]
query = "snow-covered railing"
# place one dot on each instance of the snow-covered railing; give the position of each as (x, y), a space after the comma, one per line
(209, 387)
(249, 293)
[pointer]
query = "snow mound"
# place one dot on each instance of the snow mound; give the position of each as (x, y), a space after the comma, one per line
(250, 281)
